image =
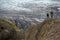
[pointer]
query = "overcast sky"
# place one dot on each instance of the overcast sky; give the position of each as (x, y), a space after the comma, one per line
(22, 3)
(31, 6)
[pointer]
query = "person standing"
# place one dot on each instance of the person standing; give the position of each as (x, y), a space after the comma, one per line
(51, 14)
(47, 15)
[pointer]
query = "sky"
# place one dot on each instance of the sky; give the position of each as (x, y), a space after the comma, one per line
(23, 4)
(32, 6)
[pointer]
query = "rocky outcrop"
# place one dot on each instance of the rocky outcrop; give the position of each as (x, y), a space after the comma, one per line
(47, 30)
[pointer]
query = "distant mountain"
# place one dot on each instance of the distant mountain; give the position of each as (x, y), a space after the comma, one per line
(25, 22)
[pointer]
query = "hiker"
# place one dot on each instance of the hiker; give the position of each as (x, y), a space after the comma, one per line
(51, 14)
(47, 15)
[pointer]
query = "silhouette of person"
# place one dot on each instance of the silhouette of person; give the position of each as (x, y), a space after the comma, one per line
(51, 13)
(47, 15)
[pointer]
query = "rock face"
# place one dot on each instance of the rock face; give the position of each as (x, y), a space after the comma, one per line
(7, 32)
(47, 30)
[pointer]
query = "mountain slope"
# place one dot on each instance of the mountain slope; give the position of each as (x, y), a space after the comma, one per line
(47, 30)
